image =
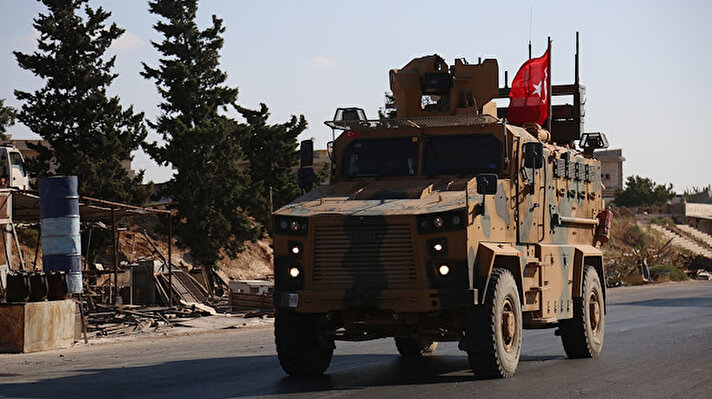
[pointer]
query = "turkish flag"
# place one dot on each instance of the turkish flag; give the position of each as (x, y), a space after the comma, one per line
(530, 94)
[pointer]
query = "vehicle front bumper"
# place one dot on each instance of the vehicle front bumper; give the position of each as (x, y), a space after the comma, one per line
(397, 300)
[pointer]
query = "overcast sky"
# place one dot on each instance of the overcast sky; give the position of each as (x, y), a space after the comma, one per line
(646, 64)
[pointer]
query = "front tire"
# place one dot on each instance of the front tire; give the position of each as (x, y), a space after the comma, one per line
(494, 332)
(410, 347)
(305, 342)
(582, 335)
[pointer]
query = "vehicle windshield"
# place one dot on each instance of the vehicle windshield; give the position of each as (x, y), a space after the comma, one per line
(462, 154)
(16, 162)
(380, 157)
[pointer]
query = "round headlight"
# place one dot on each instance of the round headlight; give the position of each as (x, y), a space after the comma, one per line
(444, 270)
(294, 272)
(296, 250)
(438, 222)
(456, 220)
(438, 247)
(283, 225)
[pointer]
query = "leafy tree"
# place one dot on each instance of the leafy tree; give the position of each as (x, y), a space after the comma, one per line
(388, 111)
(201, 145)
(696, 191)
(641, 191)
(7, 118)
(272, 152)
(89, 133)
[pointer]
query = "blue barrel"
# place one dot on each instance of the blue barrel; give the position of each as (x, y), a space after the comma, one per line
(59, 217)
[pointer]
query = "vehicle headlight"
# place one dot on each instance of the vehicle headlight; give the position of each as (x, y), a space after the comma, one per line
(437, 246)
(295, 248)
(444, 269)
(445, 221)
(291, 225)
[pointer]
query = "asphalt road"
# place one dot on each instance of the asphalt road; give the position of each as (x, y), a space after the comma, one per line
(658, 344)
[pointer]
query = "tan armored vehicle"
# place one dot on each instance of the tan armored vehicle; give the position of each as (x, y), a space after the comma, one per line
(444, 224)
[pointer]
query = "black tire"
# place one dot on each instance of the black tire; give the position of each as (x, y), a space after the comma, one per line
(410, 347)
(582, 335)
(305, 342)
(493, 336)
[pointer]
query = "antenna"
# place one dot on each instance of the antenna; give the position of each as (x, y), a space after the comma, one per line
(577, 88)
(530, 30)
(530, 49)
(548, 48)
(576, 62)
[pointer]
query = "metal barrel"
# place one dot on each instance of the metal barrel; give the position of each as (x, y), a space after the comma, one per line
(59, 217)
(18, 287)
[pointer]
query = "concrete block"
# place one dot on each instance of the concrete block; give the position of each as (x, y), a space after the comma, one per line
(37, 326)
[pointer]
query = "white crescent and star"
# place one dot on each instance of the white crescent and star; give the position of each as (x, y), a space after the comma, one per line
(542, 86)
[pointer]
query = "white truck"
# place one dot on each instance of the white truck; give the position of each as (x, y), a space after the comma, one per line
(12, 168)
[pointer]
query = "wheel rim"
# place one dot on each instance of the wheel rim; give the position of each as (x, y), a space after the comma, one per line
(509, 324)
(594, 312)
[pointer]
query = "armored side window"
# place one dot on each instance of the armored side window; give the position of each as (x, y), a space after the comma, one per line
(559, 168)
(589, 173)
(578, 170)
(570, 169)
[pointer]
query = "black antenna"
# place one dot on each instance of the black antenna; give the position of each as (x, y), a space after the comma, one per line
(577, 88)
(530, 49)
(576, 63)
(548, 48)
(506, 80)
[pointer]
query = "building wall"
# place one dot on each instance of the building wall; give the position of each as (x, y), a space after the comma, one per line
(703, 224)
(611, 171)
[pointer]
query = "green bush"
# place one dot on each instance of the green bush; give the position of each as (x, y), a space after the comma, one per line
(636, 237)
(667, 221)
(28, 236)
(675, 273)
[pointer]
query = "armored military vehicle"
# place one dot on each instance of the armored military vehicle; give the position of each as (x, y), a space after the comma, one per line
(444, 224)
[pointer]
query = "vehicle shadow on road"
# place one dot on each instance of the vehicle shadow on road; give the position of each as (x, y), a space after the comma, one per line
(693, 302)
(241, 377)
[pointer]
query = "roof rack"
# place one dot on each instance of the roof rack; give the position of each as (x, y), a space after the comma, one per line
(417, 123)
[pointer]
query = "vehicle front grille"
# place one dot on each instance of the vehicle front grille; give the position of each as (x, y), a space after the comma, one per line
(363, 256)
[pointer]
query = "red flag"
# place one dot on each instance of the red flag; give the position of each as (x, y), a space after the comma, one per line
(530, 95)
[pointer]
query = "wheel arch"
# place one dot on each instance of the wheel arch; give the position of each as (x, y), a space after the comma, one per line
(586, 255)
(491, 255)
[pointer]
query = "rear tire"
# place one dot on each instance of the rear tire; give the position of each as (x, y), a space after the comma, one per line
(410, 347)
(305, 342)
(582, 335)
(493, 336)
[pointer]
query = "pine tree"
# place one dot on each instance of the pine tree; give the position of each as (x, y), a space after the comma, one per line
(388, 111)
(7, 118)
(272, 153)
(89, 133)
(202, 145)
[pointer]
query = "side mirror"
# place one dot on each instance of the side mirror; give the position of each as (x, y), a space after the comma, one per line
(306, 178)
(533, 155)
(306, 153)
(487, 183)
